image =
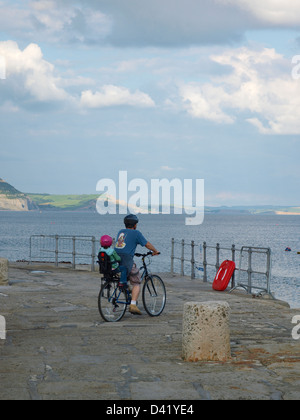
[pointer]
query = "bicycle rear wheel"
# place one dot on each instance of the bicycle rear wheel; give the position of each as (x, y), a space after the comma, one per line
(154, 295)
(112, 302)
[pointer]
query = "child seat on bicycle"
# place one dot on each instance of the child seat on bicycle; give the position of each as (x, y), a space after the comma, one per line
(109, 260)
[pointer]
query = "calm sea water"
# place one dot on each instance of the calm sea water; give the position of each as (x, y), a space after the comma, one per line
(276, 232)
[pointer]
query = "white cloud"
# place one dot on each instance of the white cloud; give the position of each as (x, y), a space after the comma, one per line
(276, 12)
(111, 95)
(260, 85)
(204, 101)
(28, 72)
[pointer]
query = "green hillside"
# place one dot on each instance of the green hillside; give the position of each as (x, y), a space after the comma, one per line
(9, 190)
(64, 202)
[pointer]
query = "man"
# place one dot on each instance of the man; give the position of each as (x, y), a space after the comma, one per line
(126, 243)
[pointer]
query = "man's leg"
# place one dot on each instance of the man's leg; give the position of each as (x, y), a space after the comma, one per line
(135, 295)
(124, 273)
(136, 292)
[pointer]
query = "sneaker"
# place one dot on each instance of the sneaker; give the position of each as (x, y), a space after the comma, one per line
(134, 310)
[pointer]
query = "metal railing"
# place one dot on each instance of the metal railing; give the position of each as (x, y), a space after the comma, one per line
(53, 248)
(256, 265)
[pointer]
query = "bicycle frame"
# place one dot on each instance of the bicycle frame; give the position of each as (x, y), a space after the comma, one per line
(117, 292)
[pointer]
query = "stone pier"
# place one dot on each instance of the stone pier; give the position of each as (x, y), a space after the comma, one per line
(58, 347)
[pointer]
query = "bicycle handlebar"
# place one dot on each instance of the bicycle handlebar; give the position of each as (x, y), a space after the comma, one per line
(145, 255)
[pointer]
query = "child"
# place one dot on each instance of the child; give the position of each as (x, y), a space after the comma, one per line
(106, 243)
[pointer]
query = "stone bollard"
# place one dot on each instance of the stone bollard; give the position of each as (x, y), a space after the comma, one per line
(3, 272)
(206, 333)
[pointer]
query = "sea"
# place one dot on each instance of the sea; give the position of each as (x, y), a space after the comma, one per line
(276, 232)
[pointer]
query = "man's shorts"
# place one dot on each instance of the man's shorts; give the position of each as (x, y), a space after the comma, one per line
(135, 276)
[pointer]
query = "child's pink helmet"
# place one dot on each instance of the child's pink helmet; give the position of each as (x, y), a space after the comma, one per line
(106, 240)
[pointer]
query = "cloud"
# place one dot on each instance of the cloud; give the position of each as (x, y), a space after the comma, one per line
(167, 23)
(259, 87)
(111, 95)
(170, 22)
(27, 72)
(276, 13)
(54, 21)
(205, 101)
(30, 78)
(192, 22)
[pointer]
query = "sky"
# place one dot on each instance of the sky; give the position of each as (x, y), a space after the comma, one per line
(188, 89)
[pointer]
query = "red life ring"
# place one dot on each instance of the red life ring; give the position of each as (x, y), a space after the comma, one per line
(224, 275)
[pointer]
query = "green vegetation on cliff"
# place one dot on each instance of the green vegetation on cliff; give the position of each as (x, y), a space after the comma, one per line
(9, 190)
(64, 202)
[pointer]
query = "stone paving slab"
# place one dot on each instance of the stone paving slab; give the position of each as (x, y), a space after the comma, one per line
(58, 348)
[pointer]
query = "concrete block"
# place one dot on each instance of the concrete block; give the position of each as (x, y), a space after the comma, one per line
(206, 331)
(3, 272)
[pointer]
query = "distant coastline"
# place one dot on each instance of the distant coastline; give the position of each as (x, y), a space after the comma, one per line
(13, 200)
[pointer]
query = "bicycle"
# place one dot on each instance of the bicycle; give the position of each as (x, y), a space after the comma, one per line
(114, 299)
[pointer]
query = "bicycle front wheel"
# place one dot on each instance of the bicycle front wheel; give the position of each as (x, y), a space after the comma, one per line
(154, 295)
(112, 302)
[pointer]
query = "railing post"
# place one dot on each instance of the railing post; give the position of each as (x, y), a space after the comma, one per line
(193, 260)
(93, 253)
(249, 270)
(74, 253)
(204, 263)
(172, 256)
(233, 259)
(30, 251)
(56, 250)
(182, 257)
(269, 269)
(218, 257)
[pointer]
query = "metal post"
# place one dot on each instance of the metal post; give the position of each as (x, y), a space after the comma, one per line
(74, 253)
(249, 270)
(182, 257)
(193, 260)
(218, 258)
(204, 263)
(56, 250)
(269, 269)
(93, 253)
(172, 256)
(30, 250)
(233, 259)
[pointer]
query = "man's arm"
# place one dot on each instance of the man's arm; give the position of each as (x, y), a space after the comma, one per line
(152, 248)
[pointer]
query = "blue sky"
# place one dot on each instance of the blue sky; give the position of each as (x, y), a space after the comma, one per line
(189, 89)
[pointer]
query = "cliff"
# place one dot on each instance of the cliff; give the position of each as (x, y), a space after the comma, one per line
(13, 200)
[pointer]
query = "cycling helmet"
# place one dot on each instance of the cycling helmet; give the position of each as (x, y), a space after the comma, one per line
(131, 220)
(106, 241)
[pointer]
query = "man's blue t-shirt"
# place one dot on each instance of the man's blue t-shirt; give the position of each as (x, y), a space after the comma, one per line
(127, 241)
